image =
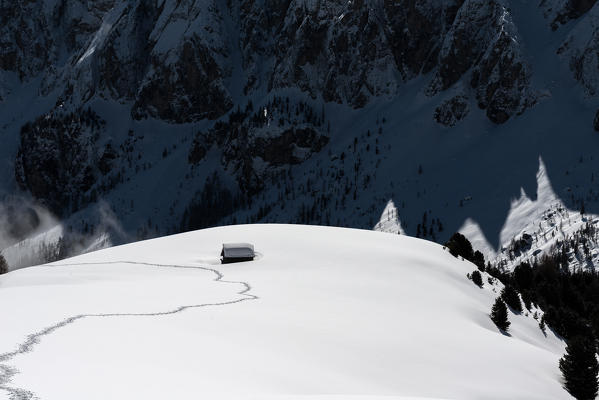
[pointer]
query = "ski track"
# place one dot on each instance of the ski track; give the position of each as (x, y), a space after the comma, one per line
(7, 372)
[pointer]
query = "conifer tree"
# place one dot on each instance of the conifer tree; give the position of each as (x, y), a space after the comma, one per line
(580, 368)
(511, 298)
(477, 278)
(3, 265)
(479, 260)
(499, 315)
(543, 326)
(458, 245)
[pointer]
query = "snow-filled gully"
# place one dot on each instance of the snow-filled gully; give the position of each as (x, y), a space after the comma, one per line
(7, 372)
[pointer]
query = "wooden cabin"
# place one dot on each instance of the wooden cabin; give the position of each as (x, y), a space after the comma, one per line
(237, 252)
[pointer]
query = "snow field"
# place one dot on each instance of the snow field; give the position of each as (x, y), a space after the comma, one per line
(339, 313)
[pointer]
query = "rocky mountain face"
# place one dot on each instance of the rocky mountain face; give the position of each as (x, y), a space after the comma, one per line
(253, 89)
(279, 134)
(563, 11)
(350, 52)
(580, 50)
(58, 159)
(172, 59)
(175, 61)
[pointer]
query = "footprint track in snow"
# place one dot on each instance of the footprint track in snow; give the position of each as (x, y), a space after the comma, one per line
(7, 372)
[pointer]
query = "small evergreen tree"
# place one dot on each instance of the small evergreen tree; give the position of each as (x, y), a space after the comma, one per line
(511, 298)
(499, 315)
(580, 368)
(3, 265)
(458, 245)
(479, 260)
(543, 326)
(477, 278)
(526, 300)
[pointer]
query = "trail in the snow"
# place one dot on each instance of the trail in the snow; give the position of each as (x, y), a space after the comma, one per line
(7, 372)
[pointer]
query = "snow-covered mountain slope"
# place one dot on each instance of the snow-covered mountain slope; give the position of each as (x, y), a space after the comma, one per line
(543, 226)
(322, 313)
(135, 119)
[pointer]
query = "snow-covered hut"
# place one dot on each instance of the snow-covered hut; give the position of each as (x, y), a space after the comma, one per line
(236, 252)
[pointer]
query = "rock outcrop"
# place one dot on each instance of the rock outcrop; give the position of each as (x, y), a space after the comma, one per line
(560, 12)
(452, 111)
(58, 158)
(258, 144)
(484, 40)
(580, 51)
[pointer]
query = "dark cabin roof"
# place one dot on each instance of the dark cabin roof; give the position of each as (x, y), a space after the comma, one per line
(238, 250)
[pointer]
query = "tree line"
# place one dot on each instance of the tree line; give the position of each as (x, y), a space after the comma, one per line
(569, 300)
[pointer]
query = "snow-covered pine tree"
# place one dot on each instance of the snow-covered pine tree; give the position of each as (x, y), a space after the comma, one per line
(511, 298)
(499, 315)
(579, 367)
(477, 278)
(3, 265)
